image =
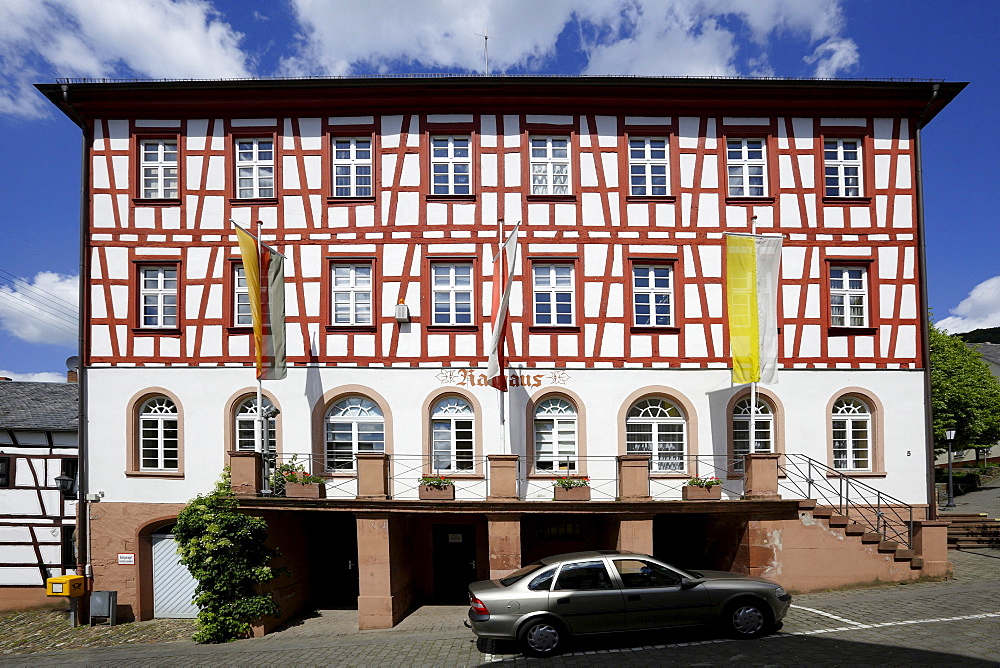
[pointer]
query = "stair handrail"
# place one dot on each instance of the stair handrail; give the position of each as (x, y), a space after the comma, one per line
(882, 513)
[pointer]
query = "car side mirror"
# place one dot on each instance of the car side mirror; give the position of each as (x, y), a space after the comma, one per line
(687, 583)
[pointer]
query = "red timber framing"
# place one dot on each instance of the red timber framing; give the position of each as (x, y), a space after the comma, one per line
(402, 227)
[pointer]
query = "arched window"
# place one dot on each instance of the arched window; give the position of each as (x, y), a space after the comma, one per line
(353, 424)
(555, 436)
(158, 435)
(452, 420)
(246, 417)
(851, 426)
(763, 427)
(656, 427)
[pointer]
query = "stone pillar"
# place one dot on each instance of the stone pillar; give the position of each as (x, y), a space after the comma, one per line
(504, 543)
(633, 478)
(930, 541)
(503, 479)
(245, 472)
(375, 609)
(761, 480)
(373, 475)
(635, 534)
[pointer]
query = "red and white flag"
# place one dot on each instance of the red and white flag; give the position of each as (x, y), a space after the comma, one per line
(264, 268)
(504, 276)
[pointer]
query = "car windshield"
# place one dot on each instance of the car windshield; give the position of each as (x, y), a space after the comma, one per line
(521, 573)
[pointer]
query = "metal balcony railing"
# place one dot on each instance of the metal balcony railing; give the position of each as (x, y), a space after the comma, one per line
(531, 479)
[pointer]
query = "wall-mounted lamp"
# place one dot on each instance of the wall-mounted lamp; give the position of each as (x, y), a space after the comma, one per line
(67, 486)
(269, 412)
(402, 312)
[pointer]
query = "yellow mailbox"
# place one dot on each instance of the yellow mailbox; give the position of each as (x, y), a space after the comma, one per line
(65, 585)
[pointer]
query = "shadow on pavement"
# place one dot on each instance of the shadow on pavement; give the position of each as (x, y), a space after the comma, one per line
(972, 550)
(700, 647)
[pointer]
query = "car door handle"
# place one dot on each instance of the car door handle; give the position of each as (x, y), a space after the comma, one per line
(634, 597)
(562, 600)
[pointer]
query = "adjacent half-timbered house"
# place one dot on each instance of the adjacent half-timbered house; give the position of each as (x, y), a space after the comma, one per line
(38, 442)
(385, 196)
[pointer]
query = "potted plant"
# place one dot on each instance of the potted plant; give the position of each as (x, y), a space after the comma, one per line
(702, 488)
(437, 488)
(568, 488)
(298, 484)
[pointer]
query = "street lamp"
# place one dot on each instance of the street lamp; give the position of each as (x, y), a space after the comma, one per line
(949, 435)
(267, 413)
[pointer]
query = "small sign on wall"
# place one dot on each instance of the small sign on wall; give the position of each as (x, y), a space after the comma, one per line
(126, 558)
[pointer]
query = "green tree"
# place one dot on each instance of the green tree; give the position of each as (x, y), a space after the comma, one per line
(225, 552)
(964, 394)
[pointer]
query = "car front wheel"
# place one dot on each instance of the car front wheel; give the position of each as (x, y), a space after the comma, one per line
(541, 638)
(746, 619)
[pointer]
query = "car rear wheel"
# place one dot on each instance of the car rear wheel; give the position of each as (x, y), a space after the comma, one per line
(541, 637)
(746, 619)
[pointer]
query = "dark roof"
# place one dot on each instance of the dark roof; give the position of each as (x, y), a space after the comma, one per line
(48, 406)
(989, 351)
(82, 99)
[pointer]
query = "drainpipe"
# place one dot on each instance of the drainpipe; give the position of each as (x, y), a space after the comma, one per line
(925, 348)
(83, 471)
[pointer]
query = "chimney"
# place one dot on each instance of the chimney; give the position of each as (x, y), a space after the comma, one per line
(2, 378)
(71, 376)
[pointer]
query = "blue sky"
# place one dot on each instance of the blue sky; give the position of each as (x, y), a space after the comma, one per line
(41, 40)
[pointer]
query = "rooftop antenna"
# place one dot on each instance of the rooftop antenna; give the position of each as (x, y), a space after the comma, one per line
(486, 49)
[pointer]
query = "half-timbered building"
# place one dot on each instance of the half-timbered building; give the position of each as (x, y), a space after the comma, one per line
(386, 196)
(38, 443)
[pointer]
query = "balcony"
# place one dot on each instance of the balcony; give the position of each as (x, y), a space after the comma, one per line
(515, 478)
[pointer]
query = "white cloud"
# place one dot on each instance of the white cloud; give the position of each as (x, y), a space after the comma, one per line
(45, 39)
(979, 310)
(834, 56)
(646, 37)
(40, 377)
(41, 311)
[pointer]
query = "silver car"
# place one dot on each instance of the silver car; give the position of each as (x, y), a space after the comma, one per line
(605, 591)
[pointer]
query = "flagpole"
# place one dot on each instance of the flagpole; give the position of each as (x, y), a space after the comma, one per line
(753, 421)
(499, 276)
(261, 420)
(753, 384)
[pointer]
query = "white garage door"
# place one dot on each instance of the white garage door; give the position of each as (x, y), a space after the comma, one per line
(173, 584)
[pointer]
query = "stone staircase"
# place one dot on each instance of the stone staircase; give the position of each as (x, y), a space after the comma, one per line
(972, 530)
(899, 552)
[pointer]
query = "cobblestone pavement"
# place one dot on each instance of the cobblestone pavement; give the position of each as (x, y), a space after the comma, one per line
(933, 623)
(984, 500)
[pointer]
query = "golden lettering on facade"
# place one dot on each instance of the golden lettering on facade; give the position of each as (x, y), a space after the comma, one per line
(475, 378)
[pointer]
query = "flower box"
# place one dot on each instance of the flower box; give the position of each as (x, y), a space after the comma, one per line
(572, 493)
(428, 493)
(305, 490)
(693, 493)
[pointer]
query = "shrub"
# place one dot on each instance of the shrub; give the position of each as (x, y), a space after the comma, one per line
(225, 552)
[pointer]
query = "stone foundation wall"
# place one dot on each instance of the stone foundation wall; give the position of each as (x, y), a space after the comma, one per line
(127, 527)
(809, 555)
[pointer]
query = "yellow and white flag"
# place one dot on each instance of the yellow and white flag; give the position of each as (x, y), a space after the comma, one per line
(752, 264)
